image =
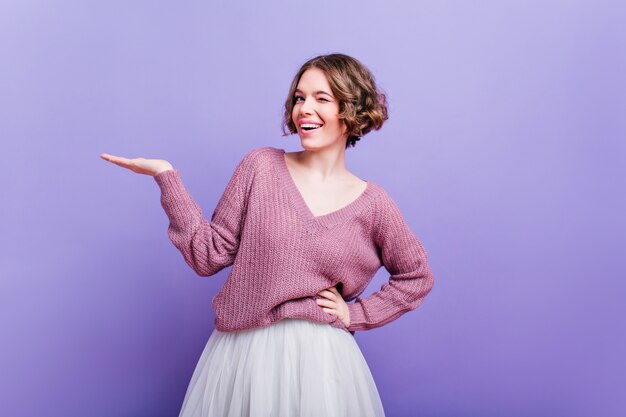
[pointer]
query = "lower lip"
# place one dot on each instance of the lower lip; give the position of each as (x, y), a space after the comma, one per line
(309, 132)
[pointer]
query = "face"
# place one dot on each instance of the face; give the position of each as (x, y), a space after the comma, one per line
(315, 112)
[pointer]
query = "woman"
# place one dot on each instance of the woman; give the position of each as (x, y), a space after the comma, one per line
(304, 236)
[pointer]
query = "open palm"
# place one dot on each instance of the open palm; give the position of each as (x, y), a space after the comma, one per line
(139, 165)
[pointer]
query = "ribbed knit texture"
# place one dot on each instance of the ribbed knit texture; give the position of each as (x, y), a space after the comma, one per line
(283, 255)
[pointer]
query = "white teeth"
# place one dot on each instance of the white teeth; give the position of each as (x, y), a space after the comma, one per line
(309, 125)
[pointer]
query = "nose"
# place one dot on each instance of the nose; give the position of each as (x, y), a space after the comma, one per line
(306, 108)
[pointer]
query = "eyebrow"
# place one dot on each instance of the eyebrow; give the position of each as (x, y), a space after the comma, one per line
(317, 92)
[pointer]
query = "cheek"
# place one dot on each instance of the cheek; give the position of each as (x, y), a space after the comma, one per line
(294, 115)
(332, 119)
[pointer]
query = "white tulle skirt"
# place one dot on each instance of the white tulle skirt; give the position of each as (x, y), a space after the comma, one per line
(293, 368)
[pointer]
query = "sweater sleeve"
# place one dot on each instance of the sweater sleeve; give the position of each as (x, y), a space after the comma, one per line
(207, 246)
(404, 257)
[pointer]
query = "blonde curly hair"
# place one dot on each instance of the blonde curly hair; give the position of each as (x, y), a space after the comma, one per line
(362, 105)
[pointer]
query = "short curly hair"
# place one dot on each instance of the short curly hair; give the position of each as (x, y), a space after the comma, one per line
(362, 105)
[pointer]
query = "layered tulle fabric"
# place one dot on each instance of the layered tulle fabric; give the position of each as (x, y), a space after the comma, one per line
(292, 368)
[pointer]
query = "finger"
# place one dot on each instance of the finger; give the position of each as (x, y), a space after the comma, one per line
(330, 311)
(108, 157)
(339, 297)
(334, 290)
(327, 294)
(326, 303)
(121, 164)
(121, 160)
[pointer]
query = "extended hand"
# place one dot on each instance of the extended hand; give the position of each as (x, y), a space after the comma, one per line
(139, 165)
(334, 304)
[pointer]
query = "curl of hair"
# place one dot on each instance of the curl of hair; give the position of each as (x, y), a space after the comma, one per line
(362, 105)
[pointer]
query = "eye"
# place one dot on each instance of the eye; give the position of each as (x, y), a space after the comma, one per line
(295, 99)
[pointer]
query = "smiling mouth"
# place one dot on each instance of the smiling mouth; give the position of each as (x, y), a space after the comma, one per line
(310, 127)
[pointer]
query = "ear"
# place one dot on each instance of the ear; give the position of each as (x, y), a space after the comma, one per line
(345, 129)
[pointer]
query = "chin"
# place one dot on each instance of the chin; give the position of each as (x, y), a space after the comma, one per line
(312, 145)
(307, 143)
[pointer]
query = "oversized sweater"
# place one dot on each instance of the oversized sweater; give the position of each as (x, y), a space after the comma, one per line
(282, 255)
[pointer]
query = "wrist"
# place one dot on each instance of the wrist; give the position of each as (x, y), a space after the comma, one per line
(163, 169)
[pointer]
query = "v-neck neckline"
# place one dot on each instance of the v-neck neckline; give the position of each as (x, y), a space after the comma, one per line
(328, 219)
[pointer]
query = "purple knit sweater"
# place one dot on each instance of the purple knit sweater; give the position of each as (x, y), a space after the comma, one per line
(283, 255)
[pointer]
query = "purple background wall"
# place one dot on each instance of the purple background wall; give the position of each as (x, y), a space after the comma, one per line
(505, 150)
